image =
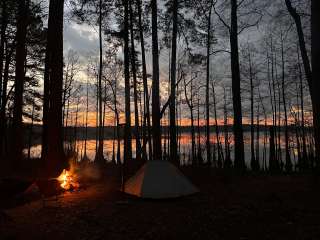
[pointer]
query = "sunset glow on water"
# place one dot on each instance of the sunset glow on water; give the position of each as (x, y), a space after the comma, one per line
(110, 147)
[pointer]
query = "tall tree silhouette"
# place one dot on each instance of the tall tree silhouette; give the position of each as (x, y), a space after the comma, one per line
(99, 154)
(313, 75)
(239, 162)
(172, 105)
(315, 52)
(144, 79)
(4, 24)
(135, 84)
(288, 163)
(52, 140)
(156, 116)
(22, 19)
(127, 140)
(209, 40)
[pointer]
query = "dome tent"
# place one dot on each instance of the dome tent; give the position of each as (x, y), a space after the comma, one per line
(159, 179)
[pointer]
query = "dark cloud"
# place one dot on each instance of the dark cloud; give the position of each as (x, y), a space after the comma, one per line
(80, 38)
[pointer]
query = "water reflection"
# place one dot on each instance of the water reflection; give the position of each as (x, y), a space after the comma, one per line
(184, 144)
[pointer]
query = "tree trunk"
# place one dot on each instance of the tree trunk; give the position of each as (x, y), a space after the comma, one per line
(264, 155)
(304, 163)
(156, 127)
(4, 97)
(273, 77)
(239, 161)
(86, 127)
(135, 91)
(99, 154)
(273, 163)
(97, 113)
(31, 132)
(227, 160)
(179, 111)
(312, 77)
(127, 139)
(193, 142)
(254, 166)
(315, 52)
(145, 79)
(17, 145)
(65, 91)
(75, 127)
(117, 121)
(288, 163)
(4, 19)
(278, 132)
(190, 106)
(302, 44)
(53, 153)
(220, 153)
(172, 105)
(208, 145)
(265, 133)
(258, 136)
(199, 154)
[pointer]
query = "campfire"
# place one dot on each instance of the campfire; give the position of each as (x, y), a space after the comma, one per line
(68, 180)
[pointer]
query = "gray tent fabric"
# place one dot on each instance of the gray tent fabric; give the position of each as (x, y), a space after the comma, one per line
(159, 179)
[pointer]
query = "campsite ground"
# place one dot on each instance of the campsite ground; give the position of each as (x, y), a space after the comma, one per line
(228, 207)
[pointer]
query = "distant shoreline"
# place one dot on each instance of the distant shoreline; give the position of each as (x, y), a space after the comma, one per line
(109, 131)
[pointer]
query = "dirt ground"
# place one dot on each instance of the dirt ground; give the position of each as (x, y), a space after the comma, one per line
(238, 207)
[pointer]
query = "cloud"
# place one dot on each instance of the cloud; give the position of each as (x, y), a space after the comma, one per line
(81, 38)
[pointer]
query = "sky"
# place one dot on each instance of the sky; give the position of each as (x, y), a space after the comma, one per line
(84, 40)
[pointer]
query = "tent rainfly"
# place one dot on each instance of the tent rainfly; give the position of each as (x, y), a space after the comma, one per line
(159, 179)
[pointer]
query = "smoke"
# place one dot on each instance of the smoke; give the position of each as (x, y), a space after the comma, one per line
(89, 172)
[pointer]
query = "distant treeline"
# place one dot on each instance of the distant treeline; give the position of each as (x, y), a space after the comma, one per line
(109, 130)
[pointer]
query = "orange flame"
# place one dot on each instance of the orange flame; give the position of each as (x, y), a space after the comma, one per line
(68, 180)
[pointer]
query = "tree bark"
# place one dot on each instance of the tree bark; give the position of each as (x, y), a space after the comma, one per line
(189, 102)
(258, 136)
(17, 145)
(315, 51)
(3, 118)
(220, 153)
(273, 163)
(239, 162)
(99, 154)
(4, 19)
(145, 79)
(135, 91)
(53, 153)
(288, 163)
(127, 139)
(303, 164)
(31, 132)
(199, 153)
(208, 145)
(253, 159)
(172, 105)
(86, 124)
(227, 160)
(312, 76)
(156, 126)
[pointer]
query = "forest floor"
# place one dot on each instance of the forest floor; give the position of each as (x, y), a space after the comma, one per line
(227, 207)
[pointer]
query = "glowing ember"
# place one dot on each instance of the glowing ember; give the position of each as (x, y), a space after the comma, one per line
(68, 180)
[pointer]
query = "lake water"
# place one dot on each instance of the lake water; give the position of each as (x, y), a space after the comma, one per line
(185, 148)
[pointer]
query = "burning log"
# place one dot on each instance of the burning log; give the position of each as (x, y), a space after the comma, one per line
(68, 180)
